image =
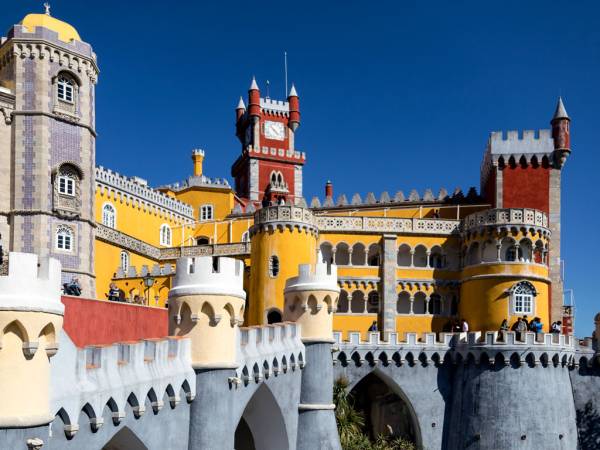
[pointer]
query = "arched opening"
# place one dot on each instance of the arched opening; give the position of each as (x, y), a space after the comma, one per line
(359, 255)
(436, 258)
(327, 252)
(373, 302)
(403, 305)
(420, 257)
(473, 254)
(202, 240)
(489, 252)
(357, 304)
(274, 316)
(343, 304)
(404, 259)
(373, 255)
(386, 412)
(342, 255)
(254, 432)
(419, 303)
(125, 439)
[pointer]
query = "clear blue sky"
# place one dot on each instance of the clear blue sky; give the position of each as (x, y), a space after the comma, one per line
(394, 94)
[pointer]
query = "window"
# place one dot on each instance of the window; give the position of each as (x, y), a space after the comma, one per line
(65, 89)
(203, 240)
(165, 234)
(66, 185)
(523, 294)
(124, 262)
(109, 215)
(206, 212)
(64, 238)
(274, 266)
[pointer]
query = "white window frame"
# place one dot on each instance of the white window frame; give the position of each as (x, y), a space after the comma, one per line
(523, 299)
(109, 221)
(124, 260)
(166, 235)
(207, 213)
(65, 89)
(66, 185)
(64, 239)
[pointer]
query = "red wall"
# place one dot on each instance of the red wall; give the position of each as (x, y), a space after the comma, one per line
(526, 187)
(97, 322)
(264, 174)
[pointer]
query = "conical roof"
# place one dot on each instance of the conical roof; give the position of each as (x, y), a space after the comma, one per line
(561, 112)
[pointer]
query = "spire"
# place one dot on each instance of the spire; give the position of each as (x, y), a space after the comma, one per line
(561, 112)
(253, 85)
(293, 92)
(241, 104)
(47, 8)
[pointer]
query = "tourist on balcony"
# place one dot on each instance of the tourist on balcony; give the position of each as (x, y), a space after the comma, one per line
(464, 326)
(503, 329)
(520, 327)
(113, 293)
(556, 327)
(73, 287)
(536, 325)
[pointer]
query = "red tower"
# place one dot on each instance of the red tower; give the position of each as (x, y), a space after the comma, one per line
(524, 170)
(269, 170)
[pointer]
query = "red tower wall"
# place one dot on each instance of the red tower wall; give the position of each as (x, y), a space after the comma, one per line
(526, 187)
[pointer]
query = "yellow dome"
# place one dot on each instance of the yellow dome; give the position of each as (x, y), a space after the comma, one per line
(65, 31)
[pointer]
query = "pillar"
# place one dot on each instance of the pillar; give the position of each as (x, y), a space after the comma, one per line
(388, 285)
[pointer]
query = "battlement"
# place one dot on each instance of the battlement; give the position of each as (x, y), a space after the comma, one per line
(33, 284)
(120, 375)
(276, 107)
(272, 217)
(525, 142)
(546, 348)
(270, 350)
(128, 185)
(322, 278)
(207, 275)
(278, 152)
(197, 152)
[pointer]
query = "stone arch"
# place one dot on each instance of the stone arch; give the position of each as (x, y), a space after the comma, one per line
(403, 303)
(419, 303)
(125, 439)
(420, 256)
(65, 419)
(254, 432)
(114, 410)
(342, 254)
(343, 303)
(357, 304)
(327, 252)
(374, 255)
(359, 254)
(312, 305)
(392, 395)
(404, 258)
(274, 316)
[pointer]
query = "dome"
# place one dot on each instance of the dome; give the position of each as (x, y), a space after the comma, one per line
(66, 32)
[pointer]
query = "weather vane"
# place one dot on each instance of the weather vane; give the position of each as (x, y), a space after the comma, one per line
(47, 6)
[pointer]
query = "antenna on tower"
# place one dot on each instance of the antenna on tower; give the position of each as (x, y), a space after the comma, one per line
(268, 84)
(285, 70)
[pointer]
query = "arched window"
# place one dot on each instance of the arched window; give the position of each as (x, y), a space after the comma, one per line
(436, 258)
(435, 304)
(373, 255)
(404, 258)
(202, 240)
(273, 316)
(373, 302)
(359, 255)
(273, 266)
(420, 256)
(124, 262)
(206, 213)
(64, 238)
(523, 294)
(109, 216)
(403, 305)
(66, 89)
(327, 253)
(342, 255)
(165, 234)
(357, 302)
(343, 304)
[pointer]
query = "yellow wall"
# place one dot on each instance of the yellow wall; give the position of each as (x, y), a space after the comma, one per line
(484, 299)
(292, 248)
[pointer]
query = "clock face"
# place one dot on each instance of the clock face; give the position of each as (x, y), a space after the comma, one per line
(274, 130)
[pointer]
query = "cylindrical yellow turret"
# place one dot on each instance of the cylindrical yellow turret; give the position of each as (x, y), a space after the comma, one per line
(311, 299)
(31, 316)
(282, 237)
(505, 268)
(206, 303)
(197, 159)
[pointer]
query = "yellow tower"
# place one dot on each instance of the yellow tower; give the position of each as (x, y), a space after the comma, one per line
(31, 316)
(282, 238)
(311, 299)
(505, 271)
(206, 303)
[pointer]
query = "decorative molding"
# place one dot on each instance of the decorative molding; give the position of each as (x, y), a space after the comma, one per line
(509, 217)
(346, 224)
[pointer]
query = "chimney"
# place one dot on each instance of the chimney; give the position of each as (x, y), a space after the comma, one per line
(197, 158)
(328, 189)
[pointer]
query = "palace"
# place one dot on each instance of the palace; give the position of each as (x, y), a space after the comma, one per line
(302, 275)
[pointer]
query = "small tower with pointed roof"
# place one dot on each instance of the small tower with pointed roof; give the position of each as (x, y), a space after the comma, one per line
(561, 133)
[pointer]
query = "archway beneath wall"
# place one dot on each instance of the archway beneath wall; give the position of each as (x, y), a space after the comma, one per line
(125, 439)
(254, 431)
(386, 410)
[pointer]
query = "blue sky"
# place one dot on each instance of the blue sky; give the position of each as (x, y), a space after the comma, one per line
(394, 95)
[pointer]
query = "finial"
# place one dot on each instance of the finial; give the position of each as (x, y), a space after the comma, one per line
(561, 112)
(293, 92)
(47, 7)
(253, 85)
(241, 104)
(268, 85)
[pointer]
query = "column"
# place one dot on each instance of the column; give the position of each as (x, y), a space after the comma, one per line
(412, 301)
(349, 256)
(388, 296)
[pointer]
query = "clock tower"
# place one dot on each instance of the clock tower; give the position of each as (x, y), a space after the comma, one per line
(269, 169)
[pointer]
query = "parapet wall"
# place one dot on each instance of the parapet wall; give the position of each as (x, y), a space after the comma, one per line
(32, 284)
(124, 376)
(270, 350)
(207, 276)
(545, 348)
